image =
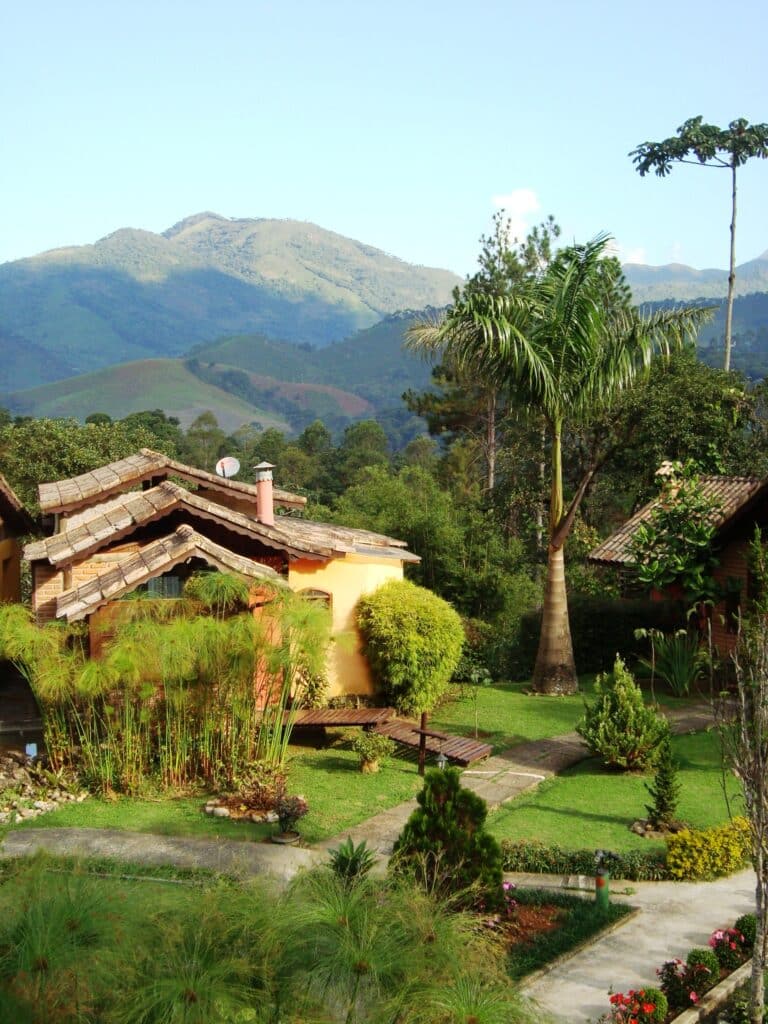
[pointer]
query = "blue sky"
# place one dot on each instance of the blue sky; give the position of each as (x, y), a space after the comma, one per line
(402, 124)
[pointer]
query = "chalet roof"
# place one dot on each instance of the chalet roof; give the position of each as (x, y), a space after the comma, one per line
(151, 561)
(731, 494)
(12, 510)
(94, 528)
(67, 495)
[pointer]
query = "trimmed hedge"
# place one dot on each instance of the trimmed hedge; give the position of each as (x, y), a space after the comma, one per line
(413, 641)
(530, 855)
(695, 854)
(600, 629)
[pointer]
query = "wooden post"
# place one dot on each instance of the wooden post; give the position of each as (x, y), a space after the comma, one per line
(423, 743)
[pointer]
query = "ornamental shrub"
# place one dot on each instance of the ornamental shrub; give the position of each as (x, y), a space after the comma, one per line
(695, 854)
(665, 788)
(444, 843)
(413, 642)
(703, 970)
(729, 947)
(747, 926)
(637, 1006)
(618, 727)
(530, 855)
(372, 747)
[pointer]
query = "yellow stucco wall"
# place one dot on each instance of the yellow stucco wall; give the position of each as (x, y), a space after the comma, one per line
(346, 580)
(10, 566)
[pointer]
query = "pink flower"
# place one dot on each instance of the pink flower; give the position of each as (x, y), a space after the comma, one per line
(694, 997)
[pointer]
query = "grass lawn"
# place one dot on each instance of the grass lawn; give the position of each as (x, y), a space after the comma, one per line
(507, 715)
(338, 793)
(588, 807)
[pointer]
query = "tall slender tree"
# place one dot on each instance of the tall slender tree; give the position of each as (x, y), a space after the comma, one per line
(565, 345)
(706, 145)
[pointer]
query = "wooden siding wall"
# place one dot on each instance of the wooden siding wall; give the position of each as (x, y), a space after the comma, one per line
(10, 570)
(734, 565)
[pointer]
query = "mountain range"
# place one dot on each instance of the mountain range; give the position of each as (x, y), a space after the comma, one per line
(275, 322)
(136, 294)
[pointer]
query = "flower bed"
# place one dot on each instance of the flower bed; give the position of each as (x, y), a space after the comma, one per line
(682, 984)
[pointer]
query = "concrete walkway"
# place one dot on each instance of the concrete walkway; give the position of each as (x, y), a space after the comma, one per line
(674, 917)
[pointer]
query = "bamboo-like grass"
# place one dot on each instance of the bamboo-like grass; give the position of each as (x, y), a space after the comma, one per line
(195, 690)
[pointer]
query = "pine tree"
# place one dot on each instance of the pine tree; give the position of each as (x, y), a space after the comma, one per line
(444, 842)
(665, 788)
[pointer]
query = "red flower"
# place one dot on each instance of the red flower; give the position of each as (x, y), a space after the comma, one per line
(649, 1007)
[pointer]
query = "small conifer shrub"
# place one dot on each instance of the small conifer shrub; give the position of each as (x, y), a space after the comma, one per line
(665, 788)
(618, 727)
(444, 843)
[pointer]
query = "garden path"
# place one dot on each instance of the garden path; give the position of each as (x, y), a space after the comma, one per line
(673, 918)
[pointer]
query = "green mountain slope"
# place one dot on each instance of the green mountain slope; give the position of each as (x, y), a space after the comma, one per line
(164, 384)
(677, 281)
(136, 294)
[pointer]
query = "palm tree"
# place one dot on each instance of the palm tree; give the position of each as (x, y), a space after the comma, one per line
(565, 345)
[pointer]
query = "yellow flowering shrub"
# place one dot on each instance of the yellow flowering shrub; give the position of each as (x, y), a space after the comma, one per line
(708, 853)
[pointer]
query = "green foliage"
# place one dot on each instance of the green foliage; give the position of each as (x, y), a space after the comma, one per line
(746, 925)
(665, 788)
(37, 450)
(599, 627)
(413, 642)
(530, 855)
(709, 853)
(351, 862)
(704, 967)
(678, 658)
(618, 727)
(173, 697)
(78, 948)
(372, 747)
(444, 843)
(675, 544)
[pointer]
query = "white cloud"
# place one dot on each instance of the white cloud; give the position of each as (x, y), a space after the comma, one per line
(627, 253)
(518, 205)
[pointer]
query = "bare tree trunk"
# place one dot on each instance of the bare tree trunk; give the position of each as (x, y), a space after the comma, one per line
(731, 273)
(490, 441)
(555, 670)
(757, 983)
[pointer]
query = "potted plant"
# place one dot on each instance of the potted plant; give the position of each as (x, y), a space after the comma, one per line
(289, 809)
(371, 747)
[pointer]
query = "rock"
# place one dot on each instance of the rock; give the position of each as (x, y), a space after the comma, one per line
(220, 812)
(81, 796)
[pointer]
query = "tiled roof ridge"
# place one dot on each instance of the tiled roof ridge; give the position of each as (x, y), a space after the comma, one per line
(150, 561)
(730, 492)
(58, 494)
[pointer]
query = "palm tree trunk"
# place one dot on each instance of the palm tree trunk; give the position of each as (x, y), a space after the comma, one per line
(731, 272)
(555, 670)
(490, 441)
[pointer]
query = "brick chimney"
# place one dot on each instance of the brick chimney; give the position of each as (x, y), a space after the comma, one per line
(265, 502)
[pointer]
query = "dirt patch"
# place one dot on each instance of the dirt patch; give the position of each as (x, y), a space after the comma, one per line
(528, 922)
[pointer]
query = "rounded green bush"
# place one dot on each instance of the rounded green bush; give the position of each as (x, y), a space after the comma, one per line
(657, 997)
(747, 925)
(413, 643)
(704, 969)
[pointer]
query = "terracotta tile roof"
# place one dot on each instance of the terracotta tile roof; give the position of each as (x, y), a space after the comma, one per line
(94, 528)
(12, 510)
(731, 493)
(153, 560)
(66, 495)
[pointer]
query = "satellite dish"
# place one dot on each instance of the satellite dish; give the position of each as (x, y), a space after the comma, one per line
(228, 466)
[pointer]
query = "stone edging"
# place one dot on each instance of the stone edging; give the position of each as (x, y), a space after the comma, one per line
(703, 1012)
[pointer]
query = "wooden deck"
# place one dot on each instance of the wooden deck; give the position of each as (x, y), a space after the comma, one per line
(460, 749)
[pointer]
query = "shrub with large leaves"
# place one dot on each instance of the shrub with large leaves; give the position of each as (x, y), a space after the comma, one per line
(413, 642)
(618, 727)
